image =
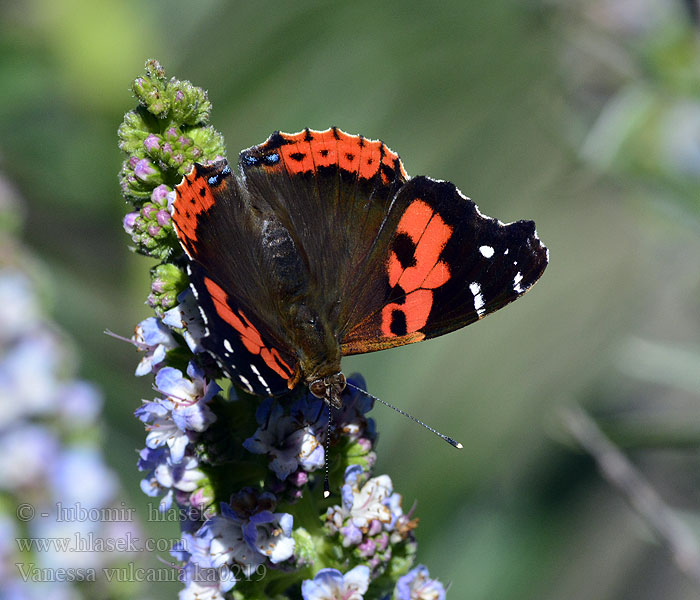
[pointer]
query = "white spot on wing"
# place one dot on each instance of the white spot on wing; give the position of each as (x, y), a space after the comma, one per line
(227, 345)
(516, 283)
(486, 251)
(475, 289)
(246, 383)
(261, 379)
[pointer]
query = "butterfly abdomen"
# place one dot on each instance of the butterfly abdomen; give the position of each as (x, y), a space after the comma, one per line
(301, 302)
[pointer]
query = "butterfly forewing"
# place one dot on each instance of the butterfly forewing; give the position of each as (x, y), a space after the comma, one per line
(443, 265)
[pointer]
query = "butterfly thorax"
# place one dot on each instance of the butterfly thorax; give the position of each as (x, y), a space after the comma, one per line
(305, 311)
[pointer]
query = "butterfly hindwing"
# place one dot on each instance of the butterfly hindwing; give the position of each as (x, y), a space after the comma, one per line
(443, 265)
(243, 347)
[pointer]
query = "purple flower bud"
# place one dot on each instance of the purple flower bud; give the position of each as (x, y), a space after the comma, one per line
(168, 300)
(144, 169)
(158, 286)
(375, 527)
(147, 211)
(167, 148)
(171, 133)
(365, 444)
(163, 217)
(129, 220)
(178, 159)
(154, 230)
(130, 182)
(159, 194)
(196, 152)
(179, 96)
(151, 143)
(299, 478)
(367, 548)
(201, 498)
(133, 161)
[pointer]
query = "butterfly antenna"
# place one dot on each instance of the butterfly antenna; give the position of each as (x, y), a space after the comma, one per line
(448, 439)
(122, 338)
(329, 430)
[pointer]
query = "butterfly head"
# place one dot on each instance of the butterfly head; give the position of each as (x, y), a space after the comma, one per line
(329, 389)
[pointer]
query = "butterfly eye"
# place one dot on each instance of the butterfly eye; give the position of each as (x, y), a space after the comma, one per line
(338, 382)
(318, 388)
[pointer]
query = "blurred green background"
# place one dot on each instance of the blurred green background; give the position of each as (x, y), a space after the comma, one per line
(582, 116)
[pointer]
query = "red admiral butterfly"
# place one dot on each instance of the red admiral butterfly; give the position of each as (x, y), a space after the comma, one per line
(324, 247)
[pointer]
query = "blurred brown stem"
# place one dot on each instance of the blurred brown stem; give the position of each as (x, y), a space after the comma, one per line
(621, 473)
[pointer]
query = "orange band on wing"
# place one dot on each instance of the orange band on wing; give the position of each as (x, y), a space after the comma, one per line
(250, 336)
(310, 149)
(429, 232)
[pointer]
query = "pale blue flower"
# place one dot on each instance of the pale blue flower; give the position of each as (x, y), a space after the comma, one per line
(19, 308)
(78, 403)
(29, 376)
(365, 503)
(417, 585)
(70, 483)
(271, 534)
(393, 503)
(331, 584)
(155, 339)
(189, 396)
(162, 428)
(202, 580)
(294, 440)
(164, 476)
(248, 533)
(368, 508)
(168, 420)
(27, 456)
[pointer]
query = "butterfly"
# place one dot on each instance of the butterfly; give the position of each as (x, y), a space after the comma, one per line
(322, 246)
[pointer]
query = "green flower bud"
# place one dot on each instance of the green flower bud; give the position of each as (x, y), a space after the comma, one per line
(167, 281)
(209, 141)
(151, 90)
(188, 104)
